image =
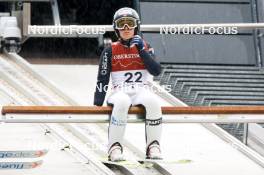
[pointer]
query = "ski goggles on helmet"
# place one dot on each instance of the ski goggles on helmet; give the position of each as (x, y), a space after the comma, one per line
(120, 23)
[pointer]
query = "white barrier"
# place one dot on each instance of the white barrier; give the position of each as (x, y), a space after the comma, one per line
(91, 114)
(95, 30)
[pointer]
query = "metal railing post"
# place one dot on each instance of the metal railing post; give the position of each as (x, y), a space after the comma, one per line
(245, 133)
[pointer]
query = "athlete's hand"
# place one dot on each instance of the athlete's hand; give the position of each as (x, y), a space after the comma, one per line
(137, 40)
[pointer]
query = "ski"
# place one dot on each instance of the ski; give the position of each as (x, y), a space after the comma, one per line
(126, 163)
(146, 163)
(19, 165)
(153, 161)
(23, 154)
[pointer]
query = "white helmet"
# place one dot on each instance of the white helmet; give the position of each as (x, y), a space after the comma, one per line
(126, 12)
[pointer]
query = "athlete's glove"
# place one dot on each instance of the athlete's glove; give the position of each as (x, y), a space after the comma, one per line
(137, 40)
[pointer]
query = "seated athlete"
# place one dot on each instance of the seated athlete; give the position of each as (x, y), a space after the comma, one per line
(130, 61)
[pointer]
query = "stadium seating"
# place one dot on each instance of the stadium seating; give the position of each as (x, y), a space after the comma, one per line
(214, 85)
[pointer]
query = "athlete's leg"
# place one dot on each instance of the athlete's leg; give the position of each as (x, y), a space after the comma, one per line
(121, 103)
(153, 118)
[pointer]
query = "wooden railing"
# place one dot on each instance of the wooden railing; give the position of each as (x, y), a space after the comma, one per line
(133, 110)
(94, 114)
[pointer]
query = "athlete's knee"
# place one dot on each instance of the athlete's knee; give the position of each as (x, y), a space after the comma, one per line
(150, 102)
(122, 104)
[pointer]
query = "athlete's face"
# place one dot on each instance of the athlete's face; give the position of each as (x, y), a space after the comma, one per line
(127, 33)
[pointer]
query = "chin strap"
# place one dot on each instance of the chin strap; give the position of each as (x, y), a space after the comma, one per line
(125, 42)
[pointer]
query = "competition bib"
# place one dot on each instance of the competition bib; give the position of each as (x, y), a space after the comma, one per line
(127, 66)
(132, 77)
